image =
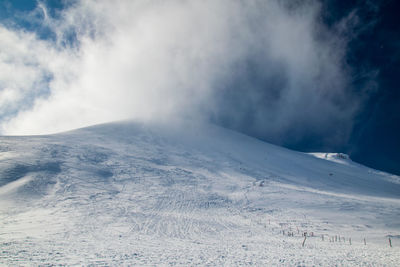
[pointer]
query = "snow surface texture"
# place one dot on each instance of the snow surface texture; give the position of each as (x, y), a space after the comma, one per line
(130, 194)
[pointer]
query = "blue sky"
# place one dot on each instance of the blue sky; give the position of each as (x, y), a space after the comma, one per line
(317, 76)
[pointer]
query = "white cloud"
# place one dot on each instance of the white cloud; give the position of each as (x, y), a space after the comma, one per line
(161, 59)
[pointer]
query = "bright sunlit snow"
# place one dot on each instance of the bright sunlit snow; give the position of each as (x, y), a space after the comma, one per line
(134, 194)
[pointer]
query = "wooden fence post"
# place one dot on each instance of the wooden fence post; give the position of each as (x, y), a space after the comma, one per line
(304, 241)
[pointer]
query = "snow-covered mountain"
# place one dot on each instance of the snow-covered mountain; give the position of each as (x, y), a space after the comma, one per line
(133, 194)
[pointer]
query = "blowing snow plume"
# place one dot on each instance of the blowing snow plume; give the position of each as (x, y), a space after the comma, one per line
(268, 66)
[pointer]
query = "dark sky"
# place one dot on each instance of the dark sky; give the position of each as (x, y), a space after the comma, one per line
(373, 54)
(375, 140)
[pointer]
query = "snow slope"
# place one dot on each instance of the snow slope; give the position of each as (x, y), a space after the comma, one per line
(133, 194)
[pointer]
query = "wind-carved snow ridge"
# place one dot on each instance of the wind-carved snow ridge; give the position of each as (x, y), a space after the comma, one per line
(134, 194)
(335, 157)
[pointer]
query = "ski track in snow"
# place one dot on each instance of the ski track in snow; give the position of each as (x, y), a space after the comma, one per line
(129, 194)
